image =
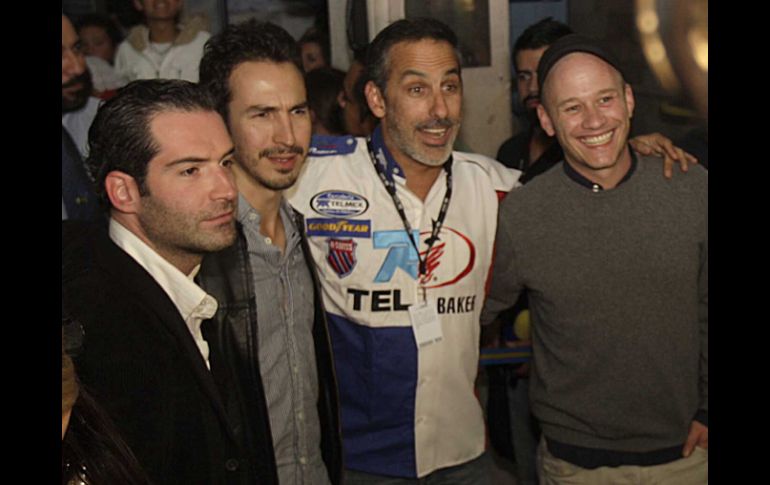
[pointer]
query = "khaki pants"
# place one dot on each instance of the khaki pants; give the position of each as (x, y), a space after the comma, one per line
(687, 471)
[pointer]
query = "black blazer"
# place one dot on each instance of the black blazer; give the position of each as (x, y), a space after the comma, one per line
(142, 365)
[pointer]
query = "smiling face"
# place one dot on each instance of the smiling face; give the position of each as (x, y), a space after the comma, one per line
(422, 104)
(589, 107)
(270, 123)
(189, 208)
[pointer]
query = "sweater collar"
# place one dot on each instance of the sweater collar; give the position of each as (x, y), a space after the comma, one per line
(578, 178)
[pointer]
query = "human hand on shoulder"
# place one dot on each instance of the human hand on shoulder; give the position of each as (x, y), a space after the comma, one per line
(659, 145)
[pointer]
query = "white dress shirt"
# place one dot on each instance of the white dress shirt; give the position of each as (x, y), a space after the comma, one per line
(194, 304)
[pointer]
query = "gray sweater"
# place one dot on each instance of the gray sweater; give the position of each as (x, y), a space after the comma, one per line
(618, 288)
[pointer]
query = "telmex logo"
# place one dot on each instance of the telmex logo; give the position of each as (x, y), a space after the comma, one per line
(337, 203)
(450, 259)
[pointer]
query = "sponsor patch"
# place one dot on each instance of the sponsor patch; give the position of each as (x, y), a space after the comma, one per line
(339, 228)
(460, 251)
(342, 256)
(338, 203)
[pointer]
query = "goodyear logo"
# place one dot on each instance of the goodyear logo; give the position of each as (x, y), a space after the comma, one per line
(339, 228)
(338, 203)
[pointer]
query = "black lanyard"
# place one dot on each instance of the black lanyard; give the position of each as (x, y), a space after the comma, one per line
(390, 186)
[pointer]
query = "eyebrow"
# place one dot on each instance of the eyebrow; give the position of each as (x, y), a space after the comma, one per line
(414, 72)
(271, 108)
(183, 160)
(599, 93)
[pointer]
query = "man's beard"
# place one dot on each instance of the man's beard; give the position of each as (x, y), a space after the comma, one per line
(77, 99)
(410, 145)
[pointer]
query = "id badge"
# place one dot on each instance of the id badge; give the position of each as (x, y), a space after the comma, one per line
(425, 323)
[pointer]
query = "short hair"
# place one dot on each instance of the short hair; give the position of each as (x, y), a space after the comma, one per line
(540, 34)
(249, 41)
(323, 86)
(120, 136)
(404, 30)
(103, 21)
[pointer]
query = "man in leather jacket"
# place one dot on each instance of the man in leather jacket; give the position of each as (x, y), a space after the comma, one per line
(270, 305)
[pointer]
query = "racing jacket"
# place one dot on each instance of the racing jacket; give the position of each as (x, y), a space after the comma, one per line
(406, 410)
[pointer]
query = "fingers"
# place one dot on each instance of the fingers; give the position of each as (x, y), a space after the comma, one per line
(668, 167)
(689, 445)
(698, 436)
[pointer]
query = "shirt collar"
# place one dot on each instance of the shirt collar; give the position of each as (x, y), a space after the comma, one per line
(388, 164)
(249, 217)
(593, 186)
(189, 298)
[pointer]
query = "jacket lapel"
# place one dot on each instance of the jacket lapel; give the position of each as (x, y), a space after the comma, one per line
(136, 280)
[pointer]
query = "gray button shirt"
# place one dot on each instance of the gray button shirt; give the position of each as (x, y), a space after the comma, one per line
(284, 293)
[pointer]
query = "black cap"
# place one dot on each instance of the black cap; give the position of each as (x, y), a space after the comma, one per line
(567, 45)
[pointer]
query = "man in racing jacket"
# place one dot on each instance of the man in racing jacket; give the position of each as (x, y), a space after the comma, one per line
(406, 377)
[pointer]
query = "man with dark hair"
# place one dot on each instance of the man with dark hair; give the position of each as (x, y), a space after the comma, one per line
(533, 151)
(78, 109)
(271, 301)
(315, 51)
(401, 229)
(324, 86)
(357, 119)
(620, 306)
(161, 157)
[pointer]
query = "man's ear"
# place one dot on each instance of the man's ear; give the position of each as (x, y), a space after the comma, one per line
(630, 102)
(545, 120)
(375, 99)
(138, 5)
(123, 192)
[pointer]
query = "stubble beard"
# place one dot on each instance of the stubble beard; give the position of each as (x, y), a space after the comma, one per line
(411, 146)
(181, 233)
(285, 178)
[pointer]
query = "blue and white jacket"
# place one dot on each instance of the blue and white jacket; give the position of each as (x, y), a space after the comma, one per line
(406, 411)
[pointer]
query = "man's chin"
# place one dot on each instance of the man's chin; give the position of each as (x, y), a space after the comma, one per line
(73, 103)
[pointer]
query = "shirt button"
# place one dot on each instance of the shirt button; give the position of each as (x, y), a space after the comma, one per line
(300, 415)
(303, 460)
(252, 217)
(231, 465)
(596, 188)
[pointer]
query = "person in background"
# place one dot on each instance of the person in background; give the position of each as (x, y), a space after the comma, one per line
(100, 38)
(358, 120)
(164, 47)
(99, 35)
(323, 88)
(314, 49)
(78, 110)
